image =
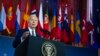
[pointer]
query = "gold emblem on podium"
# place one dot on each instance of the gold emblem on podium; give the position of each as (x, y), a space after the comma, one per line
(48, 49)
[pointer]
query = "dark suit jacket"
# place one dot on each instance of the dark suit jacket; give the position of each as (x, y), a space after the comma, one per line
(17, 40)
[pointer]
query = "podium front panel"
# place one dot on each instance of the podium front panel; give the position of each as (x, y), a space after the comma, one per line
(35, 46)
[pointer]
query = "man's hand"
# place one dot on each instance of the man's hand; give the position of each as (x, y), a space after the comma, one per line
(25, 35)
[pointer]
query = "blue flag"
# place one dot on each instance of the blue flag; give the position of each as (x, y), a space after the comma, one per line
(77, 28)
(17, 20)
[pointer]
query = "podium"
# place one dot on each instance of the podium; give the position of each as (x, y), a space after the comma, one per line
(32, 46)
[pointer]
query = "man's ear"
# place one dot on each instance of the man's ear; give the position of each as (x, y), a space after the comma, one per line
(28, 19)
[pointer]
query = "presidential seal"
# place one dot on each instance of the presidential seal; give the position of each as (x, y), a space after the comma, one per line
(48, 49)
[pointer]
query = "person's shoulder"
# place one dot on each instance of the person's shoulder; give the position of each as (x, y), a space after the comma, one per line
(23, 30)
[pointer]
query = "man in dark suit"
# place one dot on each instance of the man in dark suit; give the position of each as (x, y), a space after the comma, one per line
(30, 31)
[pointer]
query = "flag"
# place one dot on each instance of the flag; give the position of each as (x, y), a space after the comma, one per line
(24, 23)
(33, 5)
(17, 18)
(2, 18)
(84, 33)
(40, 23)
(41, 15)
(53, 24)
(71, 28)
(77, 28)
(90, 21)
(65, 28)
(10, 19)
(59, 24)
(54, 11)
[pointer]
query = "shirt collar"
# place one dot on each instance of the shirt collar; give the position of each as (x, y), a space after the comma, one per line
(30, 30)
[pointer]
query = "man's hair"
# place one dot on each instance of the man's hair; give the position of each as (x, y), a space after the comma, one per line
(33, 12)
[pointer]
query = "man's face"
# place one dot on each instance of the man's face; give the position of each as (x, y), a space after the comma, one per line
(33, 21)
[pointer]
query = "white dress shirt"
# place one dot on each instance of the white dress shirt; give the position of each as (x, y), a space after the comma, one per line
(30, 30)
